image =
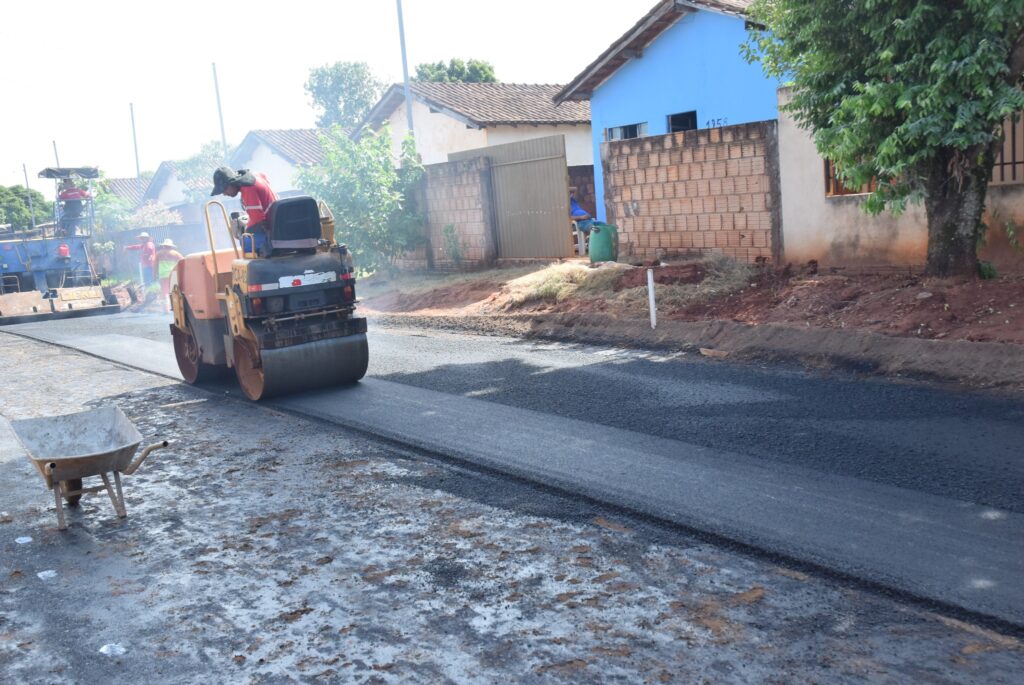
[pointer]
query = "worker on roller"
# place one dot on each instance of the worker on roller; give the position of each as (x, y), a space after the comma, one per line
(257, 196)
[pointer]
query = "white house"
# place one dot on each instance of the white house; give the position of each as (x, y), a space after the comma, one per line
(451, 117)
(279, 153)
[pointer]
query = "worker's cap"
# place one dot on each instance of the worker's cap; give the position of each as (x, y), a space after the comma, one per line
(222, 178)
(142, 235)
(168, 243)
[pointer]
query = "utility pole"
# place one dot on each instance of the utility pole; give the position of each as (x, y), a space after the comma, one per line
(405, 70)
(55, 156)
(134, 142)
(28, 193)
(220, 113)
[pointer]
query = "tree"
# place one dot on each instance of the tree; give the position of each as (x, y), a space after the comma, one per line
(112, 211)
(196, 172)
(14, 209)
(456, 71)
(343, 93)
(373, 202)
(912, 93)
(153, 214)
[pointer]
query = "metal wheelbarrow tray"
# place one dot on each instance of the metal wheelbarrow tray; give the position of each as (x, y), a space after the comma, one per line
(70, 447)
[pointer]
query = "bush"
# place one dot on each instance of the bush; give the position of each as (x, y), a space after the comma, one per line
(374, 203)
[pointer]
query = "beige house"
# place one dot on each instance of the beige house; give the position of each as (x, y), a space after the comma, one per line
(824, 221)
(452, 117)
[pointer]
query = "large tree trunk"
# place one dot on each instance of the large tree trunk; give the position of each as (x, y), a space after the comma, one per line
(954, 202)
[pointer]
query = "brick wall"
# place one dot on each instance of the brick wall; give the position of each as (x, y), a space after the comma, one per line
(457, 194)
(712, 190)
(582, 178)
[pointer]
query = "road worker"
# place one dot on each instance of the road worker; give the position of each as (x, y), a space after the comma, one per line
(257, 196)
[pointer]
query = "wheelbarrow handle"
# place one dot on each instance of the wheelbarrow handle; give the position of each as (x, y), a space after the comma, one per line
(142, 457)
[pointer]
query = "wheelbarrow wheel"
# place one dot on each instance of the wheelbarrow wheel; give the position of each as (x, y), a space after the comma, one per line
(69, 485)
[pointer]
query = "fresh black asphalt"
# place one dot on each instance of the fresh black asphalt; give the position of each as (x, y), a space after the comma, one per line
(907, 485)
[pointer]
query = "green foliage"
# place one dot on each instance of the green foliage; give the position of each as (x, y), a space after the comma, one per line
(456, 71)
(343, 93)
(108, 247)
(196, 172)
(112, 211)
(14, 207)
(153, 214)
(374, 203)
(911, 92)
(452, 245)
(986, 270)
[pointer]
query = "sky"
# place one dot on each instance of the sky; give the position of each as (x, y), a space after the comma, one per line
(70, 69)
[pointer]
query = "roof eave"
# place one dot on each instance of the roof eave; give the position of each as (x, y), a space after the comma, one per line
(629, 45)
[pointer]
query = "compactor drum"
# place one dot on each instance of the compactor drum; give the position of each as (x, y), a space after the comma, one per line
(284, 322)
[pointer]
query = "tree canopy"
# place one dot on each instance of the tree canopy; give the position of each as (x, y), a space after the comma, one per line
(373, 202)
(343, 93)
(911, 93)
(196, 172)
(456, 71)
(14, 209)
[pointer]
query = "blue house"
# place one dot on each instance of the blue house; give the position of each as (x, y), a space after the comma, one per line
(679, 68)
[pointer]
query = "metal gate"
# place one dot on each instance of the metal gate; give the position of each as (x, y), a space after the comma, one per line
(530, 190)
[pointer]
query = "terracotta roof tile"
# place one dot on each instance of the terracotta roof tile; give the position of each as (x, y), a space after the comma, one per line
(301, 146)
(492, 104)
(128, 188)
(485, 104)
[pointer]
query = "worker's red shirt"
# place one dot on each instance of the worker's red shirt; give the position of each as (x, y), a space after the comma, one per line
(147, 255)
(74, 194)
(256, 199)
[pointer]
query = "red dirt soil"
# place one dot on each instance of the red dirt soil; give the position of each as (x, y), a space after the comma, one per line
(891, 304)
(898, 305)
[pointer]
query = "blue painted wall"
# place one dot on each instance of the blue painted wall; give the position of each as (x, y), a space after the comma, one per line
(694, 65)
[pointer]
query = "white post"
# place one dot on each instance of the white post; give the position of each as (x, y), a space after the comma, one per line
(650, 298)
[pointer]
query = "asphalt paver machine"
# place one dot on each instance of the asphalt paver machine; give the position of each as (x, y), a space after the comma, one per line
(283, 319)
(46, 271)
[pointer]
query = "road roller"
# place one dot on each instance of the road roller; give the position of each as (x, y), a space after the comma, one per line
(280, 313)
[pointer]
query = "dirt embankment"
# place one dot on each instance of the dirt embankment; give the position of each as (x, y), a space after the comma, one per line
(893, 323)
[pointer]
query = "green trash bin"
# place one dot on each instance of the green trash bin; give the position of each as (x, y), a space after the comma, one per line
(604, 243)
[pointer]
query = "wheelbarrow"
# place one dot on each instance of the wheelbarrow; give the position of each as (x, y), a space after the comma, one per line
(70, 447)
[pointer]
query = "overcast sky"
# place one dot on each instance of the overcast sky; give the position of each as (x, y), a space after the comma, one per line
(71, 68)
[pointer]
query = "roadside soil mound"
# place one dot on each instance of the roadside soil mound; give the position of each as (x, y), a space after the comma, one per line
(445, 298)
(967, 330)
(897, 305)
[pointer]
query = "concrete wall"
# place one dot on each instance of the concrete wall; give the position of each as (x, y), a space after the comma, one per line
(713, 190)
(437, 134)
(836, 231)
(279, 171)
(173, 192)
(456, 194)
(693, 65)
(578, 145)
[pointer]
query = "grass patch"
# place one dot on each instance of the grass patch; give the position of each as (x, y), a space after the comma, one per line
(560, 282)
(724, 275)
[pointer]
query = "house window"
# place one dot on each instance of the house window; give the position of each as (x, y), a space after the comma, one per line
(684, 121)
(626, 132)
(1009, 166)
(834, 185)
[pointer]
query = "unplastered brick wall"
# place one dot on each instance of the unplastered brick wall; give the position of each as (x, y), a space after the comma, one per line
(456, 194)
(711, 190)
